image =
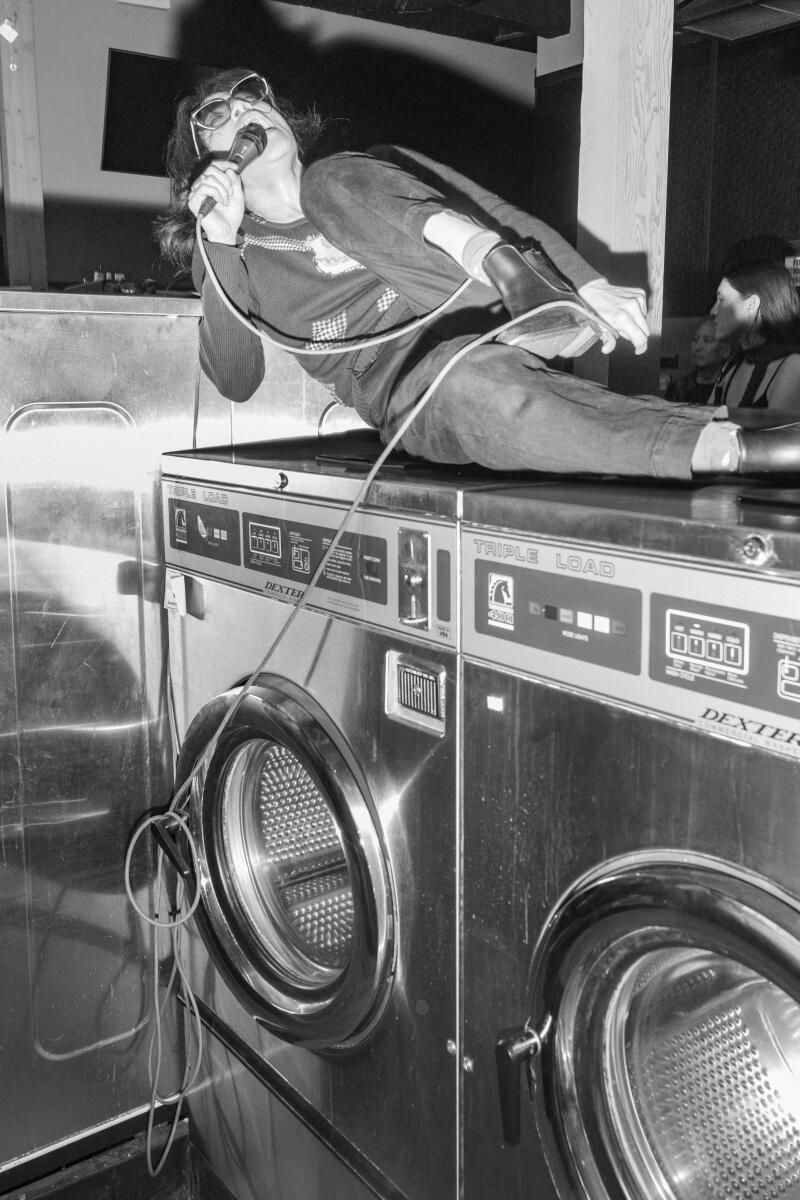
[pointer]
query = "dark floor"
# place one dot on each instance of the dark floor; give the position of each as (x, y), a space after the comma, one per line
(121, 1173)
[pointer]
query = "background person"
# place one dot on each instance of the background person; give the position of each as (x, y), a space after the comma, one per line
(757, 307)
(708, 355)
(340, 248)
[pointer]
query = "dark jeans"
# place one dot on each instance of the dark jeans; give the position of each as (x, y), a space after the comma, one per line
(499, 406)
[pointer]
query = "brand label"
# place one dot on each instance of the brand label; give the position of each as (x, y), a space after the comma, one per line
(750, 729)
(501, 601)
(274, 588)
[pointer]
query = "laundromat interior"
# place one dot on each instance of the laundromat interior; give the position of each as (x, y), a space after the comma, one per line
(374, 829)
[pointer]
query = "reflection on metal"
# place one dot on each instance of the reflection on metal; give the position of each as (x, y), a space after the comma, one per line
(93, 389)
(631, 868)
(77, 655)
(87, 401)
(321, 1005)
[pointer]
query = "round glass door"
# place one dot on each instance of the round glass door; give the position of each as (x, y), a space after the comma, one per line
(283, 855)
(673, 1068)
(297, 907)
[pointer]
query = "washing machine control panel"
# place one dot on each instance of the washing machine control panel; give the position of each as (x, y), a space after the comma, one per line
(712, 645)
(390, 570)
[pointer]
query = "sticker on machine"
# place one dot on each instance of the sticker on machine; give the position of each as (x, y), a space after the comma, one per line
(181, 533)
(501, 601)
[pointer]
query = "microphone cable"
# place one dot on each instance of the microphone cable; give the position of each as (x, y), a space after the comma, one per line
(340, 347)
(175, 813)
(179, 799)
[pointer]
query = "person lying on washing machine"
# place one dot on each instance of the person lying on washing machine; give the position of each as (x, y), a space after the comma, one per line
(340, 248)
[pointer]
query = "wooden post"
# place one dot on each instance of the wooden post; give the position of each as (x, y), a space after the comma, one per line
(622, 182)
(20, 155)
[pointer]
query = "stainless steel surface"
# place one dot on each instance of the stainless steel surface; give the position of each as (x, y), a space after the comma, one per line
(268, 536)
(332, 469)
(368, 1099)
(743, 524)
(50, 343)
(92, 390)
(587, 757)
(257, 1145)
(386, 694)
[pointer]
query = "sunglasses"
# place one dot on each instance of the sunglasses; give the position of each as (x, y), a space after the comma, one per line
(216, 111)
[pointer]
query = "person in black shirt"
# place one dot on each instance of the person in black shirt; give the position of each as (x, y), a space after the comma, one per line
(757, 307)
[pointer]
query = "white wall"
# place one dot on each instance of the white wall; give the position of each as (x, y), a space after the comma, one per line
(72, 39)
(556, 54)
(101, 218)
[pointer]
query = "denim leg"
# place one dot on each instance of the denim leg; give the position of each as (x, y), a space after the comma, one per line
(375, 212)
(502, 408)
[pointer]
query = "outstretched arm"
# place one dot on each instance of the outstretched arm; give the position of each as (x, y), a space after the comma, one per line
(623, 308)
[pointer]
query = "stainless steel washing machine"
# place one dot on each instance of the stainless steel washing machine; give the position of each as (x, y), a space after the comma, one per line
(631, 843)
(324, 950)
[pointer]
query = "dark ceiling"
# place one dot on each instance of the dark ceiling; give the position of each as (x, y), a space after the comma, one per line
(518, 23)
(512, 23)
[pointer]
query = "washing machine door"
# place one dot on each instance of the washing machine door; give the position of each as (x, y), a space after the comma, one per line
(664, 1041)
(296, 909)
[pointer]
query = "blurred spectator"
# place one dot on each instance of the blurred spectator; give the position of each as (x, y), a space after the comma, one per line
(709, 354)
(757, 307)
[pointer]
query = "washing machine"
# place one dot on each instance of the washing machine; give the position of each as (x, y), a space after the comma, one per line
(631, 940)
(324, 814)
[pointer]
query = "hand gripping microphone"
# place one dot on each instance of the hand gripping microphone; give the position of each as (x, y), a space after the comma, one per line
(247, 145)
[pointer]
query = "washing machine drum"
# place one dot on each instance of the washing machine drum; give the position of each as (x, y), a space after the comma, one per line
(673, 1061)
(296, 906)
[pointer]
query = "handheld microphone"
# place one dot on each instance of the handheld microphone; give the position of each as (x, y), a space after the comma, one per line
(247, 145)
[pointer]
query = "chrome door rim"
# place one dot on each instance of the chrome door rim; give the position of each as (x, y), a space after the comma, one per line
(340, 1007)
(626, 909)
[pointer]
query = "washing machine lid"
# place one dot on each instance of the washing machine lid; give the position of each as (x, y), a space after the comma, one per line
(297, 907)
(664, 1041)
(333, 468)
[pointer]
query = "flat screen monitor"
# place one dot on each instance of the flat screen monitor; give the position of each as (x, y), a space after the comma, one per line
(141, 95)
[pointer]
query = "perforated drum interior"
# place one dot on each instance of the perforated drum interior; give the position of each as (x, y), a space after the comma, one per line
(286, 863)
(706, 1057)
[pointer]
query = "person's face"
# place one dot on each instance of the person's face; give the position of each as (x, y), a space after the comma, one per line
(707, 349)
(734, 315)
(237, 109)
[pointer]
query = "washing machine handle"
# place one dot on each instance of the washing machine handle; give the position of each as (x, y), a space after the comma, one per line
(514, 1049)
(173, 852)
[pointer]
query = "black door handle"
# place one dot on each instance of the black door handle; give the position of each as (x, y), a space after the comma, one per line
(513, 1049)
(170, 846)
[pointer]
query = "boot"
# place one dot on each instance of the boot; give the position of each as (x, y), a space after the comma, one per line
(527, 281)
(772, 450)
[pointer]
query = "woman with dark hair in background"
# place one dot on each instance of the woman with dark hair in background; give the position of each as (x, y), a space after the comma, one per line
(322, 252)
(757, 308)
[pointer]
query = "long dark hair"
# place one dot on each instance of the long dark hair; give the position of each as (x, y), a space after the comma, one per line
(779, 312)
(175, 230)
